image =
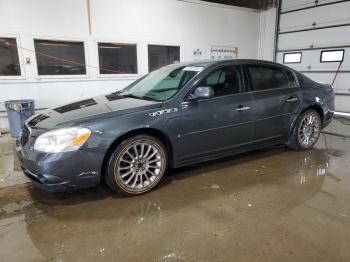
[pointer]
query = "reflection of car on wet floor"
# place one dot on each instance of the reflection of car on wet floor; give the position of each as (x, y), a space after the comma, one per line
(179, 115)
(102, 221)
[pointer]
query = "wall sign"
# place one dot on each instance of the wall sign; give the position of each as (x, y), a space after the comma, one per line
(197, 53)
(223, 52)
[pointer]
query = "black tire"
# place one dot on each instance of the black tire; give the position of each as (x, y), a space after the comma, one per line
(143, 171)
(296, 139)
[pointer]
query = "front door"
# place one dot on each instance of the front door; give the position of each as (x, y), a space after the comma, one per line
(221, 123)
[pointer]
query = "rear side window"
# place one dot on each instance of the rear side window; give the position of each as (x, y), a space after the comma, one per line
(226, 80)
(270, 77)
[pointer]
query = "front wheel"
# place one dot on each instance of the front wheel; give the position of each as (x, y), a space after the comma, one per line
(137, 165)
(307, 131)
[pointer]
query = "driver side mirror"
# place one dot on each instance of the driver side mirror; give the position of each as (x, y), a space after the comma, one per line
(202, 92)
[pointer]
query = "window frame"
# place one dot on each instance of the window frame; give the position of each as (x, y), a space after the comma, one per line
(123, 76)
(292, 53)
(245, 83)
(332, 50)
(22, 76)
(163, 44)
(63, 39)
(251, 85)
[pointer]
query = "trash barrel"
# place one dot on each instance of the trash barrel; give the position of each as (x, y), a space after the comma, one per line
(18, 111)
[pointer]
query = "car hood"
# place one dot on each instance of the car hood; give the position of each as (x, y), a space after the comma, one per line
(89, 109)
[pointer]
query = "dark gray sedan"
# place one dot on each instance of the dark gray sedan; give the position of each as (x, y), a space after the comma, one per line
(178, 115)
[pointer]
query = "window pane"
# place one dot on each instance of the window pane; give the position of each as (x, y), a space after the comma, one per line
(265, 77)
(9, 62)
(117, 58)
(332, 56)
(291, 77)
(213, 78)
(159, 56)
(60, 57)
(225, 81)
(289, 58)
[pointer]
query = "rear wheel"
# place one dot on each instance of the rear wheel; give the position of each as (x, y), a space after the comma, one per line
(137, 165)
(307, 130)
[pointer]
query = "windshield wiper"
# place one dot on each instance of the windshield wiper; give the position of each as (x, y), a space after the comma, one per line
(117, 92)
(121, 93)
(132, 96)
(164, 90)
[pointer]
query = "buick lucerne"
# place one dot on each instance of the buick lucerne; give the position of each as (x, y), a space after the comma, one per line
(178, 115)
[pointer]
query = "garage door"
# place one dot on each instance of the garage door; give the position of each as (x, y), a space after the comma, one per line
(314, 38)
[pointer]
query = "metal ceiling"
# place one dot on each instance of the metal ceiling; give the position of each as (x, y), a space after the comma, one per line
(254, 4)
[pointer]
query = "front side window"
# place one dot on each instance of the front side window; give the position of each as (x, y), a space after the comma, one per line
(159, 56)
(227, 80)
(270, 77)
(117, 58)
(9, 61)
(161, 84)
(60, 57)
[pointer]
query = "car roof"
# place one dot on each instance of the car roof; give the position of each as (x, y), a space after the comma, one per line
(207, 63)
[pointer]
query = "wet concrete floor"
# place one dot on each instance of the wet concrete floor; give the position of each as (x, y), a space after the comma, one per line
(270, 205)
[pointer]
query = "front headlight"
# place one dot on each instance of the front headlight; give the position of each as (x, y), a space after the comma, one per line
(62, 140)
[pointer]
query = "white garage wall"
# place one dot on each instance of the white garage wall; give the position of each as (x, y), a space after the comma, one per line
(266, 45)
(312, 42)
(190, 24)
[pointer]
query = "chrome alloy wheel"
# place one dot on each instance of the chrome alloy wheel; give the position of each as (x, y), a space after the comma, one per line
(309, 129)
(140, 166)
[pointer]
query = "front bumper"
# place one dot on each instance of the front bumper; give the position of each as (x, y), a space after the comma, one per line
(41, 182)
(61, 172)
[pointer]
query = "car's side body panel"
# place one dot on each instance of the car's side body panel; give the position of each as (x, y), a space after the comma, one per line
(273, 110)
(209, 126)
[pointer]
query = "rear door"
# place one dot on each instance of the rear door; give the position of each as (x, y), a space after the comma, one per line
(220, 123)
(276, 97)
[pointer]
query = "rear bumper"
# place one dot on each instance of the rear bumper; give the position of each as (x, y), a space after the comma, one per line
(328, 117)
(61, 172)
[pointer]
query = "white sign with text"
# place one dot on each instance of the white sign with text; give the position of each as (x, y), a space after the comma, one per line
(223, 52)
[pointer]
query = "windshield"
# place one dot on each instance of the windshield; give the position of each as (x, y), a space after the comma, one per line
(161, 84)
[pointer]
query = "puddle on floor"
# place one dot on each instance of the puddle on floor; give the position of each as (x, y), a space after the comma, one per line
(271, 205)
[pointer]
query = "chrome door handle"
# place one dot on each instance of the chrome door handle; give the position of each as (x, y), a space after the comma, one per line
(294, 99)
(243, 108)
